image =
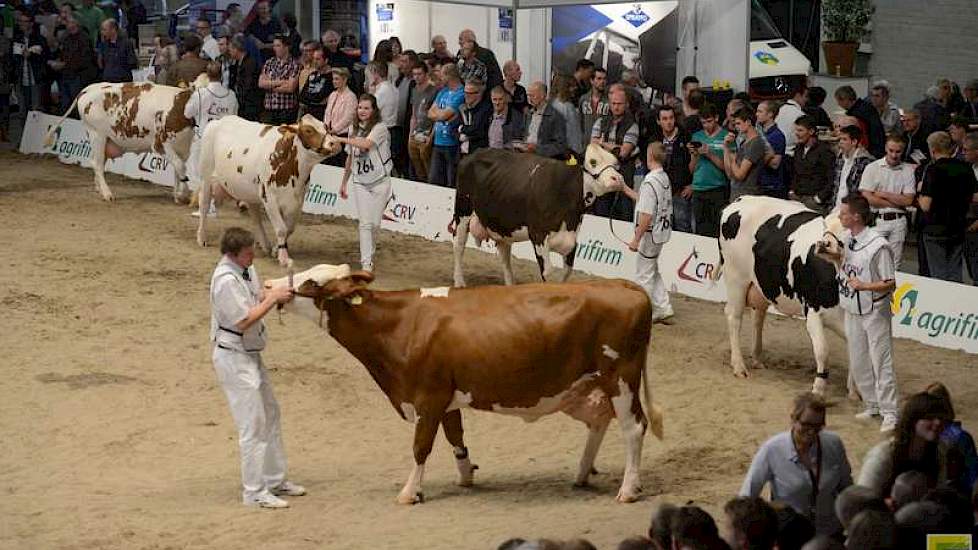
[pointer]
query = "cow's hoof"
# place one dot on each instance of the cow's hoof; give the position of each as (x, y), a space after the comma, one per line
(467, 479)
(201, 241)
(819, 386)
(582, 484)
(626, 497)
(459, 283)
(107, 197)
(757, 364)
(742, 372)
(416, 498)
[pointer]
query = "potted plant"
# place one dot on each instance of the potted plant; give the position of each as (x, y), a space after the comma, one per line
(845, 24)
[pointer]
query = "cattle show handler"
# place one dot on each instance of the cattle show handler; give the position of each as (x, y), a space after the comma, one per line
(204, 105)
(369, 164)
(866, 282)
(238, 304)
(653, 212)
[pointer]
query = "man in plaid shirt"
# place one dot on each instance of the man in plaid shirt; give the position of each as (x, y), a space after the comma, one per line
(470, 67)
(280, 79)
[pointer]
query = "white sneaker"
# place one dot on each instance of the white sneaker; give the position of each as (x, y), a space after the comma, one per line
(889, 423)
(265, 500)
(868, 414)
(212, 213)
(663, 316)
(289, 489)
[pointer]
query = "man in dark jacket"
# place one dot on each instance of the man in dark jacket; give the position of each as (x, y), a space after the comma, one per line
(675, 139)
(618, 134)
(475, 113)
(946, 193)
(190, 65)
(116, 55)
(505, 121)
(246, 73)
(544, 128)
(814, 168)
(30, 57)
(868, 117)
(77, 62)
(494, 77)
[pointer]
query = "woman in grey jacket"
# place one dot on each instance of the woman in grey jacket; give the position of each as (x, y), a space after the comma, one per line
(562, 97)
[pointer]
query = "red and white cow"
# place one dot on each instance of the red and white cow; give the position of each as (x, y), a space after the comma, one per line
(266, 167)
(533, 350)
(772, 252)
(135, 117)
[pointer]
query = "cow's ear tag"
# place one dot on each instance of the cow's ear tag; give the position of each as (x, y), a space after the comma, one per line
(572, 161)
(356, 300)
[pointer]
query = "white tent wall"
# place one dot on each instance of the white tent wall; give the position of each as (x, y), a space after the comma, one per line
(719, 27)
(416, 21)
(714, 41)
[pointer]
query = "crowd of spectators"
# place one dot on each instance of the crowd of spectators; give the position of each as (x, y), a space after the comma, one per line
(918, 482)
(916, 166)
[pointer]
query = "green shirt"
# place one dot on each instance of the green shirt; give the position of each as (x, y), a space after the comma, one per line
(709, 176)
(91, 20)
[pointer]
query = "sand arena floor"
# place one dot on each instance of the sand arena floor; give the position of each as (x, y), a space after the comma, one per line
(116, 434)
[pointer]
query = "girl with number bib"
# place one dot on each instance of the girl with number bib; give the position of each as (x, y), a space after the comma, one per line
(369, 163)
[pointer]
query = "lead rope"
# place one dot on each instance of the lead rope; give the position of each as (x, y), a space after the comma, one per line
(280, 307)
(611, 228)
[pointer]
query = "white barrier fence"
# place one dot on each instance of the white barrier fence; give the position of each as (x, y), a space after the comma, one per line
(937, 313)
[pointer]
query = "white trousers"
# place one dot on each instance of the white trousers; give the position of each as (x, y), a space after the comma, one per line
(193, 165)
(648, 277)
(256, 415)
(371, 201)
(870, 339)
(895, 233)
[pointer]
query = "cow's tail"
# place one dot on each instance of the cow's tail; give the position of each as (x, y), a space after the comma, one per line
(49, 138)
(653, 412)
(715, 276)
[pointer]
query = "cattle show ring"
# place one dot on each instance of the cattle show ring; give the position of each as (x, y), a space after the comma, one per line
(121, 359)
(118, 436)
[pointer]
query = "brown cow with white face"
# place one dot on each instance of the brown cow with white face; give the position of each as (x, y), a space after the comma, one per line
(135, 117)
(532, 350)
(265, 166)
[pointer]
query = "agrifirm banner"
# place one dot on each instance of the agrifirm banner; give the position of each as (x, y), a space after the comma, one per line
(934, 312)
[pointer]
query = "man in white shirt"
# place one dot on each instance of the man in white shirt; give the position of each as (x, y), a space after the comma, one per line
(210, 49)
(792, 110)
(238, 304)
(384, 91)
(653, 210)
(207, 104)
(866, 283)
(889, 186)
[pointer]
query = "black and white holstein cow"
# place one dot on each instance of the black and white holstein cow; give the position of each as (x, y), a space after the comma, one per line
(512, 197)
(771, 253)
(135, 117)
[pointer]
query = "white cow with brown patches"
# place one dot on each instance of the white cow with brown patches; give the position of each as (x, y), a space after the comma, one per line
(136, 118)
(266, 167)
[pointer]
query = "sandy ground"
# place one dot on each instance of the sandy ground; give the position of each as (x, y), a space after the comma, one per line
(115, 434)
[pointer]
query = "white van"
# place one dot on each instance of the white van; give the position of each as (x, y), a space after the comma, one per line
(776, 67)
(643, 36)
